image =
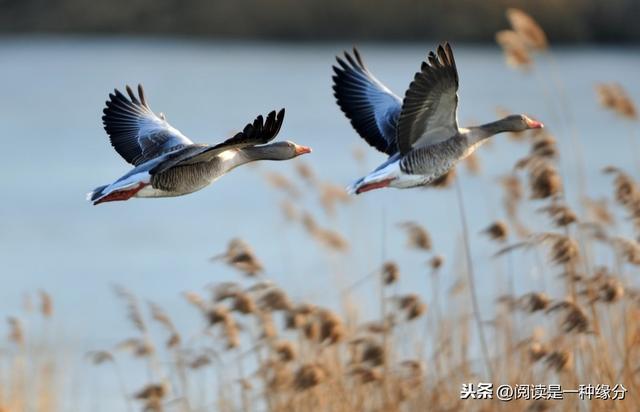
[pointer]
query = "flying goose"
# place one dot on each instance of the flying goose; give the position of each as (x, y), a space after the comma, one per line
(166, 163)
(420, 134)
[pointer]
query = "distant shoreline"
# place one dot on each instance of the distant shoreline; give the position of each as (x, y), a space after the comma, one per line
(565, 21)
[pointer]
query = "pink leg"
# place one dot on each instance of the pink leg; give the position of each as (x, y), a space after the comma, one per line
(121, 194)
(373, 186)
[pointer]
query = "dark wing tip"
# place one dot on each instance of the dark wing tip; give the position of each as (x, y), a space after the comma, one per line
(359, 58)
(132, 95)
(143, 98)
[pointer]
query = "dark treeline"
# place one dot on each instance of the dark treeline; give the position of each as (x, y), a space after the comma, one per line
(304, 20)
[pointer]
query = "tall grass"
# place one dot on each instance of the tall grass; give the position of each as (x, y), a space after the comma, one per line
(259, 349)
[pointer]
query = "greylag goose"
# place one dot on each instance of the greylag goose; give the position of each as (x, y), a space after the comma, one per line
(166, 163)
(420, 134)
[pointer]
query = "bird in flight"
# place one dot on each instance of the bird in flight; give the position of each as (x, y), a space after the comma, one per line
(166, 162)
(420, 134)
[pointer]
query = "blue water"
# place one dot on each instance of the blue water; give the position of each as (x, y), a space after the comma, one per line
(54, 151)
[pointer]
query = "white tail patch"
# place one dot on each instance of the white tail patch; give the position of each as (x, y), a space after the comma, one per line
(122, 184)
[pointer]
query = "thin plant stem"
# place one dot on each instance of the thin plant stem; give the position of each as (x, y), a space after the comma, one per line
(383, 311)
(471, 280)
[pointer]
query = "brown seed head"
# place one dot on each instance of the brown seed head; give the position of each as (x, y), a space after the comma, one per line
(497, 231)
(225, 290)
(289, 210)
(99, 357)
(331, 327)
(196, 300)
(275, 299)
(599, 211)
(544, 181)
(243, 303)
(267, 325)
(390, 273)
(333, 240)
(515, 50)
(46, 304)
(309, 223)
(305, 172)
(312, 330)
(366, 375)
(563, 250)
(138, 347)
(614, 97)
(575, 318)
(200, 361)
(417, 236)
(174, 340)
(285, 351)
(16, 333)
(294, 320)
(611, 290)
(231, 333)
(240, 256)
(544, 146)
(377, 327)
(535, 301)
(372, 353)
(539, 405)
(559, 360)
(330, 195)
(279, 376)
(282, 183)
(562, 215)
(159, 315)
(133, 309)
(436, 262)
(217, 314)
(309, 376)
(537, 351)
(528, 29)
(156, 391)
(416, 310)
(626, 189)
(407, 301)
(628, 249)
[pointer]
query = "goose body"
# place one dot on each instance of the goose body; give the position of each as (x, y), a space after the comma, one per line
(419, 133)
(167, 163)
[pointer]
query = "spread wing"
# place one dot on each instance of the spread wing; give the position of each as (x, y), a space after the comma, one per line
(260, 131)
(137, 133)
(372, 108)
(429, 108)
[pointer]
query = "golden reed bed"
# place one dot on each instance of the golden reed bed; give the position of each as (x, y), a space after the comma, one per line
(268, 352)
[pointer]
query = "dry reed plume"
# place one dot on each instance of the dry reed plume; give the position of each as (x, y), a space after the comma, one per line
(569, 314)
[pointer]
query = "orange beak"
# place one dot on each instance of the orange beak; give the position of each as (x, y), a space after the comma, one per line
(534, 124)
(300, 150)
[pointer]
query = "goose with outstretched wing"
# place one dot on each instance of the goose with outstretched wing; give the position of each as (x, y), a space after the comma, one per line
(166, 162)
(419, 133)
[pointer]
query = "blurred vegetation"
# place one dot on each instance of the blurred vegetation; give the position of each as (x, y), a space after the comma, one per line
(400, 20)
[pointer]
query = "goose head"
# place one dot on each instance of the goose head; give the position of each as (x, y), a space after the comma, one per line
(284, 150)
(519, 123)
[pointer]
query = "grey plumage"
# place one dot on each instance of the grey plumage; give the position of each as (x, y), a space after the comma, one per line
(436, 159)
(166, 162)
(372, 108)
(136, 133)
(430, 103)
(421, 133)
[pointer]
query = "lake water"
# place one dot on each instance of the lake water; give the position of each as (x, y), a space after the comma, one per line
(55, 150)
